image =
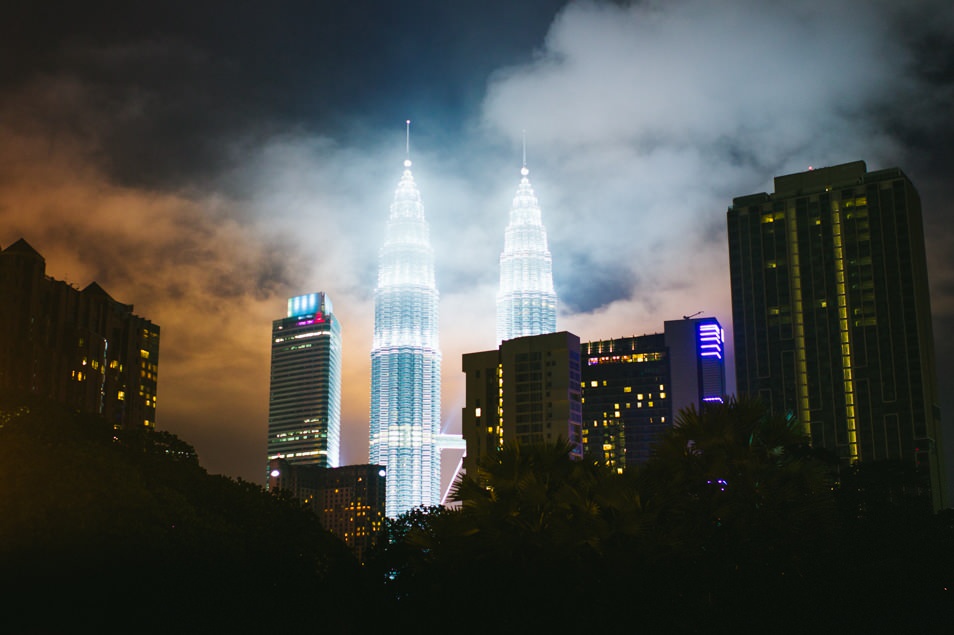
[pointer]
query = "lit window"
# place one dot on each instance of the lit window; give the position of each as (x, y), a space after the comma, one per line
(628, 389)
(594, 384)
(662, 395)
(476, 412)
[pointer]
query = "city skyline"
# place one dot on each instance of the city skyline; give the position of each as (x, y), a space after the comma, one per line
(207, 169)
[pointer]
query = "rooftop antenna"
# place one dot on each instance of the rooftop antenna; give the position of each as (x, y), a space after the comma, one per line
(524, 171)
(689, 317)
(407, 145)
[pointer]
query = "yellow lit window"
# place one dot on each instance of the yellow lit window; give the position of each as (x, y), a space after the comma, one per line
(628, 389)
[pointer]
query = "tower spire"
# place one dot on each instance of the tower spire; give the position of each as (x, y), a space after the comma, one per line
(405, 408)
(526, 300)
(523, 170)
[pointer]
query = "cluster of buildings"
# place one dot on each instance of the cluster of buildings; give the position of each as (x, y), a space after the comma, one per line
(831, 323)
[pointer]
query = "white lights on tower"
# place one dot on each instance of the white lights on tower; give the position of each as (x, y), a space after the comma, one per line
(526, 301)
(406, 357)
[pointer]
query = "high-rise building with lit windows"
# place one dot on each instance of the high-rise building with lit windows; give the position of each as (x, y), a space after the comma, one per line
(526, 301)
(78, 347)
(348, 500)
(525, 391)
(406, 357)
(832, 315)
(634, 387)
(304, 404)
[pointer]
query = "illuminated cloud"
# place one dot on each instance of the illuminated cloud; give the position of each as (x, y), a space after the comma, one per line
(206, 178)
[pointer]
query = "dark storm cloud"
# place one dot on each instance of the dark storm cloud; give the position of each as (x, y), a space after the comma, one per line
(167, 88)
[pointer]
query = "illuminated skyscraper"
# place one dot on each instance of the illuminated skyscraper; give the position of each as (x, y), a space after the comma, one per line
(526, 301)
(304, 405)
(406, 357)
(832, 316)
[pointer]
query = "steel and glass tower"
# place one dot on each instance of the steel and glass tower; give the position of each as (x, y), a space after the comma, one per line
(406, 357)
(304, 405)
(526, 301)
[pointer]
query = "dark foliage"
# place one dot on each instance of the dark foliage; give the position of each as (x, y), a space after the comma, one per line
(736, 525)
(118, 531)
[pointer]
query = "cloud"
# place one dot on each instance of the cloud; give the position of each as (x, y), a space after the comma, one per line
(213, 185)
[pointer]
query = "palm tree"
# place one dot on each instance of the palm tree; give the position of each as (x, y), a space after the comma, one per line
(738, 504)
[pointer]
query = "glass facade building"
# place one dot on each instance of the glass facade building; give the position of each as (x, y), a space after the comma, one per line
(526, 301)
(304, 406)
(406, 358)
(832, 315)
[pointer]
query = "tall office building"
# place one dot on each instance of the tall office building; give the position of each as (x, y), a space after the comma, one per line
(304, 404)
(526, 301)
(527, 390)
(81, 348)
(635, 387)
(406, 357)
(832, 317)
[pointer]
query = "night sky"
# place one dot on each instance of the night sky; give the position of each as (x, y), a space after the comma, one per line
(204, 161)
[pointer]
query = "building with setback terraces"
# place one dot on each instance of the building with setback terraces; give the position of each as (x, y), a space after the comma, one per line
(406, 358)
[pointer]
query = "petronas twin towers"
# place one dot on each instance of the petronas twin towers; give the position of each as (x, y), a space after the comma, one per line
(526, 302)
(406, 356)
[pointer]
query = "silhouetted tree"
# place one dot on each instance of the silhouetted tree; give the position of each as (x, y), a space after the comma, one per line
(120, 531)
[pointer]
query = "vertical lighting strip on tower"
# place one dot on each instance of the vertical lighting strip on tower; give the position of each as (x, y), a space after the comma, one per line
(844, 333)
(798, 317)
